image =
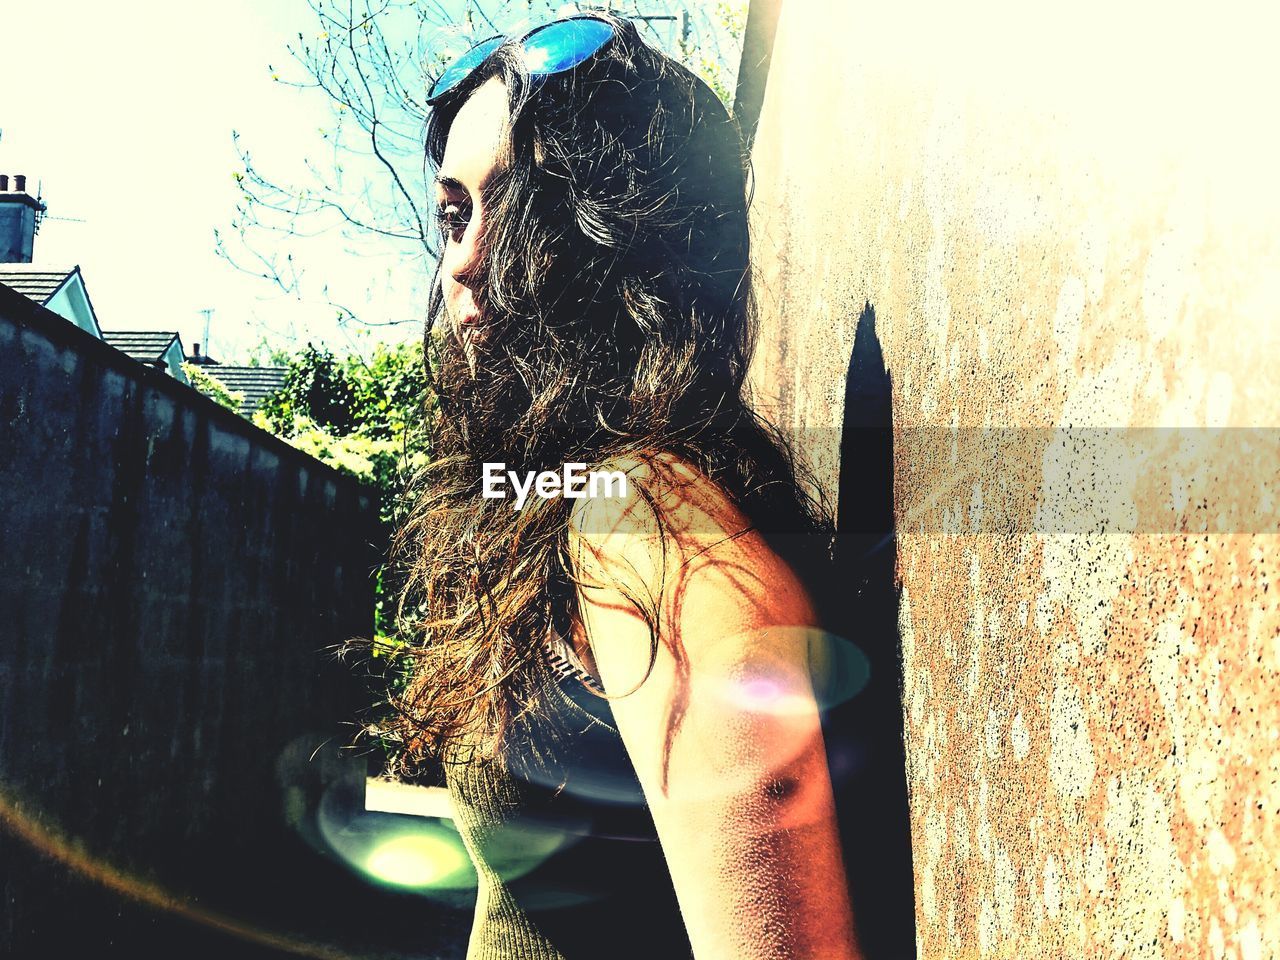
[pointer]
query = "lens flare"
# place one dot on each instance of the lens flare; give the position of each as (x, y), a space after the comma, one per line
(767, 695)
(421, 854)
(772, 683)
(417, 860)
(838, 668)
(69, 851)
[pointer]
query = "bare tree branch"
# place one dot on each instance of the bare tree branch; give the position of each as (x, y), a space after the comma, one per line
(373, 61)
(373, 135)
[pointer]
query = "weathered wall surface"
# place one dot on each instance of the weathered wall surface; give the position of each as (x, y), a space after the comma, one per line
(1065, 225)
(170, 581)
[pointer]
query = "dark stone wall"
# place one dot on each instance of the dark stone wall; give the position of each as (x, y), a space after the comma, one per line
(171, 581)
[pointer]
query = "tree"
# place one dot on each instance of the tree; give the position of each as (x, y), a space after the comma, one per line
(316, 392)
(373, 60)
(363, 417)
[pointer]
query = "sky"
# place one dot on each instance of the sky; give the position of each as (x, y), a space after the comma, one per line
(122, 114)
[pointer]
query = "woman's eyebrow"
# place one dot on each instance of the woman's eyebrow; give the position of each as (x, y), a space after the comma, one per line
(451, 183)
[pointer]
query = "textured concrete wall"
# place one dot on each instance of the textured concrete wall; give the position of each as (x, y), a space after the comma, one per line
(170, 581)
(1062, 229)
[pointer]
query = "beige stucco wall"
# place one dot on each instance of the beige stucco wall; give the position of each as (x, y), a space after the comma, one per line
(1068, 226)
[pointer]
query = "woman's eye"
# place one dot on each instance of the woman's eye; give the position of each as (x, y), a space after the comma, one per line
(452, 220)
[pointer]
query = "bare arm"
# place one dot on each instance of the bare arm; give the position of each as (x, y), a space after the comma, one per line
(724, 734)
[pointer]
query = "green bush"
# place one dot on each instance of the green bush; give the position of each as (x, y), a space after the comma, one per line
(364, 417)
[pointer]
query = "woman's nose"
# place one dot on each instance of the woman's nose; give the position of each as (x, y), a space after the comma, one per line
(466, 255)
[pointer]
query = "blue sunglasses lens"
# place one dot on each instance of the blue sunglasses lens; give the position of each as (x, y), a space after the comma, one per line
(565, 44)
(458, 70)
(552, 48)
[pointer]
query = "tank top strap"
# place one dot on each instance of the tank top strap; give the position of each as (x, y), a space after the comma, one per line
(566, 663)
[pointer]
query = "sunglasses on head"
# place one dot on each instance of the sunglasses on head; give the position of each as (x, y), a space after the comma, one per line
(551, 48)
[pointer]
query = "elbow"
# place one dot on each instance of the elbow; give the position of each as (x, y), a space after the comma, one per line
(779, 790)
(792, 800)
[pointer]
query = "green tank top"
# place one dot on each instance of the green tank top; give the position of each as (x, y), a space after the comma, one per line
(567, 859)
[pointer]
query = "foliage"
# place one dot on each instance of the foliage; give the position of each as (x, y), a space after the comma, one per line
(212, 387)
(709, 64)
(362, 416)
(316, 392)
(388, 389)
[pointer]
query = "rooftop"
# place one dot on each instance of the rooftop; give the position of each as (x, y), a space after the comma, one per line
(253, 382)
(38, 283)
(147, 346)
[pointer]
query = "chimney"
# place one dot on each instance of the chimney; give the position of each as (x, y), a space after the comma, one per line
(19, 220)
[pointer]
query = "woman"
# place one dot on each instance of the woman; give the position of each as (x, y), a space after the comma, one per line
(593, 307)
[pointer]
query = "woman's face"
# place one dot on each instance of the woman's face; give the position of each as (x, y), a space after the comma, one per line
(472, 157)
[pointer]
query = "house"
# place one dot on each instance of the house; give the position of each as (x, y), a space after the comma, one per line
(60, 289)
(161, 349)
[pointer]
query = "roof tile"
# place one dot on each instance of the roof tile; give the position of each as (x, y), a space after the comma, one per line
(35, 283)
(145, 345)
(254, 382)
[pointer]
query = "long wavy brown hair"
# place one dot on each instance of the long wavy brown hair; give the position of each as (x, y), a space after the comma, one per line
(617, 289)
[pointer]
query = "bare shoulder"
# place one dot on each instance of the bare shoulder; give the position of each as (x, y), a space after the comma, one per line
(674, 529)
(661, 492)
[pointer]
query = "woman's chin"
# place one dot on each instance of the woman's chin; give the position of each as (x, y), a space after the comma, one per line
(471, 338)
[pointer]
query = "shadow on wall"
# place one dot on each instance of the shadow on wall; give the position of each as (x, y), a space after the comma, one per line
(872, 794)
